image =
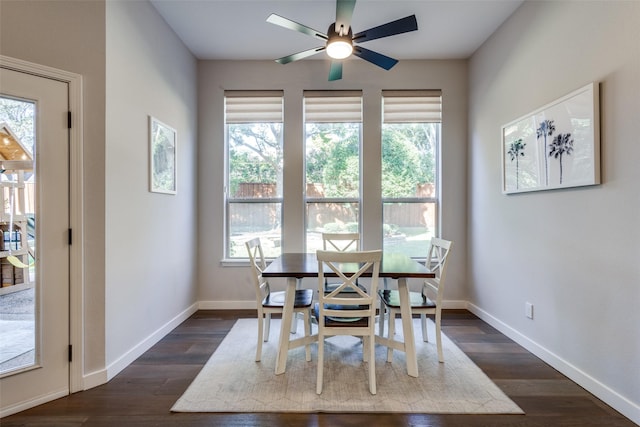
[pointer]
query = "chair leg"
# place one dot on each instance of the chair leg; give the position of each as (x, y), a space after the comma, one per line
(365, 348)
(260, 337)
(307, 329)
(439, 336)
(371, 347)
(392, 331)
(320, 364)
(381, 317)
(267, 327)
(423, 321)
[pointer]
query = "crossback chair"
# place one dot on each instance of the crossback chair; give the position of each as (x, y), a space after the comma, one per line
(422, 302)
(336, 310)
(339, 242)
(269, 302)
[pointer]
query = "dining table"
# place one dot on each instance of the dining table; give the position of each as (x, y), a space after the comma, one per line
(295, 266)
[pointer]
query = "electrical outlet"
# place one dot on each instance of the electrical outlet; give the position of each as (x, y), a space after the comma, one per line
(528, 310)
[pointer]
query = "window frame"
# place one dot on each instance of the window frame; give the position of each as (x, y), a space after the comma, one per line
(229, 200)
(343, 117)
(427, 112)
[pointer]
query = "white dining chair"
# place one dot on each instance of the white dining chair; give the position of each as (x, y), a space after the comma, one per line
(427, 301)
(339, 242)
(269, 302)
(337, 312)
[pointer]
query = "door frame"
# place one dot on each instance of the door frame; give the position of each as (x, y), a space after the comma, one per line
(76, 202)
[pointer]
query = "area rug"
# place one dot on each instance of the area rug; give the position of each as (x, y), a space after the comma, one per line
(231, 381)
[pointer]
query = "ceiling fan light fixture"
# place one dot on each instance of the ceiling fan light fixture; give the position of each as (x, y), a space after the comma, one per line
(339, 49)
(339, 45)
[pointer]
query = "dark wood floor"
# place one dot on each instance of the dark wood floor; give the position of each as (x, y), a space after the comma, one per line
(143, 393)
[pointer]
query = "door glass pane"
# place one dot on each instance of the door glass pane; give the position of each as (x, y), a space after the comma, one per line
(17, 235)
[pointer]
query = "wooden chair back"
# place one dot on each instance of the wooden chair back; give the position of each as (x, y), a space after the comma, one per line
(341, 242)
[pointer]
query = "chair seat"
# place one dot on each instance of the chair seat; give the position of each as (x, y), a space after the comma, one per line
(304, 298)
(391, 298)
(343, 321)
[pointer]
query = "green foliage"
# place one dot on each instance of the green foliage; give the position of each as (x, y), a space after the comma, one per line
(389, 229)
(255, 154)
(333, 156)
(408, 157)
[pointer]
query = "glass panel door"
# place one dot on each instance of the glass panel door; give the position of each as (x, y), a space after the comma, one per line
(17, 235)
(34, 243)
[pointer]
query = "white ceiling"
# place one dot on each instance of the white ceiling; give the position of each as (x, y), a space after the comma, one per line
(237, 29)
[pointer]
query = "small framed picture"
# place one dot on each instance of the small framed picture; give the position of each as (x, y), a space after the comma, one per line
(163, 151)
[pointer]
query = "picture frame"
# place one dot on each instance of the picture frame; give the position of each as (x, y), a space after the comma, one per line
(163, 153)
(555, 146)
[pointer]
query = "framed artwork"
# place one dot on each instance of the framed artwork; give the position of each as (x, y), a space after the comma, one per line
(163, 151)
(556, 146)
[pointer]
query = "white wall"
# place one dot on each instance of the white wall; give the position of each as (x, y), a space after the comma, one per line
(573, 253)
(150, 237)
(229, 287)
(47, 33)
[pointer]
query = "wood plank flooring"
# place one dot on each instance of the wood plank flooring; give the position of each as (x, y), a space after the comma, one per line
(143, 393)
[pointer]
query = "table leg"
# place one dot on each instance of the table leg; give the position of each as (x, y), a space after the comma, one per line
(294, 322)
(407, 328)
(285, 327)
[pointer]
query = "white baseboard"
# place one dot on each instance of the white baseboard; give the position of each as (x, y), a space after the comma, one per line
(620, 403)
(227, 305)
(454, 305)
(94, 379)
(31, 403)
(126, 359)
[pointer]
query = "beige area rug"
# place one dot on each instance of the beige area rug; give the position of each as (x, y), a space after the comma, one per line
(231, 381)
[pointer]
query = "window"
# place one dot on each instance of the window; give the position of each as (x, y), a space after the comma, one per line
(333, 129)
(410, 144)
(253, 190)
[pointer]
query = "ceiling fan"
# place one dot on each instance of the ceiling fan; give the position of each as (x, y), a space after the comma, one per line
(340, 40)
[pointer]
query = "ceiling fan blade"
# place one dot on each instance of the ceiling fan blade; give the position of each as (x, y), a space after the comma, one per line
(400, 26)
(374, 57)
(344, 12)
(292, 25)
(299, 55)
(335, 72)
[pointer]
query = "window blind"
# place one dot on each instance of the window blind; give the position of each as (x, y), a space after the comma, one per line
(412, 106)
(332, 106)
(253, 106)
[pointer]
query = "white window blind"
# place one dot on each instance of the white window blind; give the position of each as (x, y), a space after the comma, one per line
(332, 106)
(412, 106)
(253, 106)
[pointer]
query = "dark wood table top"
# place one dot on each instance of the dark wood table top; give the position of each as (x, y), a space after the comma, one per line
(301, 265)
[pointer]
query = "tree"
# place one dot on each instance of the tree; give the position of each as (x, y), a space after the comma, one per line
(562, 144)
(256, 154)
(408, 158)
(516, 150)
(546, 128)
(333, 157)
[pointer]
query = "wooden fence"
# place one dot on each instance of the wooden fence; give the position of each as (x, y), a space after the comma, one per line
(267, 215)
